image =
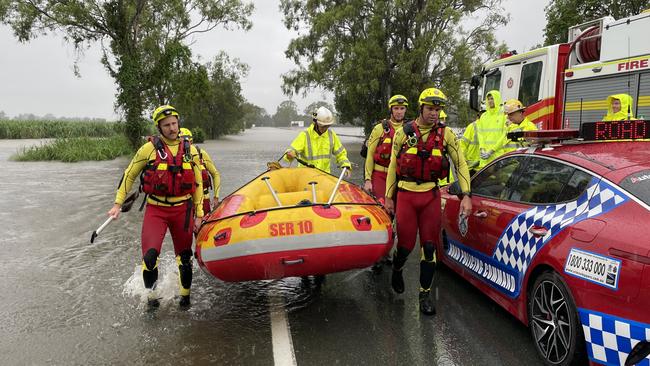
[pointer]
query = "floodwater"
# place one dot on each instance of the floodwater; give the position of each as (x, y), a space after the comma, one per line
(68, 302)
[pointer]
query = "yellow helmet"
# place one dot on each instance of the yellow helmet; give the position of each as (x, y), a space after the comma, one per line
(512, 106)
(432, 96)
(162, 112)
(397, 99)
(185, 132)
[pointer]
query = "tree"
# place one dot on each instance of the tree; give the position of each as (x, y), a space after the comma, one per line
(365, 50)
(140, 39)
(562, 14)
(209, 95)
(255, 115)
(314, 106)
(286, 112)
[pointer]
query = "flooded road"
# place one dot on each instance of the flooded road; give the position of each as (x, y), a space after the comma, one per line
(67, 302)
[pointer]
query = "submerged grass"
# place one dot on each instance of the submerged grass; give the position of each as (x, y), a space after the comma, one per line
(57, 129)
(77, 149)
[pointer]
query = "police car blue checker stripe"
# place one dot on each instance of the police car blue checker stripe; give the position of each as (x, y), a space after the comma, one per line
(517, 246)
(610, 339)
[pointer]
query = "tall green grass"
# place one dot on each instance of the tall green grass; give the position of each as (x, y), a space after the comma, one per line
(57, 129)
(77, 149)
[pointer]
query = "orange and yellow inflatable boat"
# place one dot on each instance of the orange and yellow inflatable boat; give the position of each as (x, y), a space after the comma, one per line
(293, 222)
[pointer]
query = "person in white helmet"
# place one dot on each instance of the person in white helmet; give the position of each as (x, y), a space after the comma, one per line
(317, 144)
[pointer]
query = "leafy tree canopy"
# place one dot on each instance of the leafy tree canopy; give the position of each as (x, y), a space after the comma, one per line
(562, 14)
(364, 51)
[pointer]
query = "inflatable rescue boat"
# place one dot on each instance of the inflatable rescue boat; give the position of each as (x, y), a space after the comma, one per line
(293, 222)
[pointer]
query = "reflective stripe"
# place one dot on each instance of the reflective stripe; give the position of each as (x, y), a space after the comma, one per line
(298, 242)
(488, 129)
(475, 142)
(318, 157)
(338, 151)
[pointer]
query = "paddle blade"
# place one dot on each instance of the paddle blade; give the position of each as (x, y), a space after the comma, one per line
(92, 237)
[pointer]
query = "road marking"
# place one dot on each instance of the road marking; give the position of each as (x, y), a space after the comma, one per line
(283, 354)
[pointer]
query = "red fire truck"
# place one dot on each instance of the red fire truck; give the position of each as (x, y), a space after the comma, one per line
(566, 84)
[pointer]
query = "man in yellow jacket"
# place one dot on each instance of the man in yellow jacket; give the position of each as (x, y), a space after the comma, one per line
(171, 178)
(380, 145)
(619, 108)
(490, 128)
(516, 121)
(418, 160)
(318, 143)
(209, 173)
(469, 144)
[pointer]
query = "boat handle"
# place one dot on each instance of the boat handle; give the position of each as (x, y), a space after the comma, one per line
(361, 220)
(290, 262)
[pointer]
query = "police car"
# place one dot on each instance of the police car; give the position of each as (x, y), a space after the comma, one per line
(559, 236)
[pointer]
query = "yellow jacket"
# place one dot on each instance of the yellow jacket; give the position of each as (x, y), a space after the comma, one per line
(626, 102)
(212, 169)
(452, 150)
(505, 145)
(490, 128)
(147, 153)
(317, 149)
(373, 142)
(469, 145)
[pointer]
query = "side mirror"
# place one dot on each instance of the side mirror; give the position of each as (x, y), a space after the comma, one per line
(473, 100)
(454, 189)
(638, 353)
(475, 82)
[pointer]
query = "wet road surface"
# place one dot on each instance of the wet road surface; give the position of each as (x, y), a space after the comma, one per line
(67, 302)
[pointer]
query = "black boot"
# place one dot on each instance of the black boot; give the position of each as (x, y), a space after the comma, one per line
(426, 303)
(397, 281)
(185, 301)
(399, 259)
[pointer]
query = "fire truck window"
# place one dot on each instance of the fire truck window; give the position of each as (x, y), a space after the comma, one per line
(541, 182)
(575, 187)
(492, 81)
(638, 184)
(531, 76)
(492, 181)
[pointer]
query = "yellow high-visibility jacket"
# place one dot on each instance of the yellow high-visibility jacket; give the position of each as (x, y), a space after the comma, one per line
(505, 145)
(626, 102)
(469, 145)
(317, 149)
(452, 149)
(490, 128)
(146, 153)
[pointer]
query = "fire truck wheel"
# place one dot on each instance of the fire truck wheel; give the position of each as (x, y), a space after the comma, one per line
(554, 323)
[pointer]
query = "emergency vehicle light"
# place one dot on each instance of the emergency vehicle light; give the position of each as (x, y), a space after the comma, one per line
(616, 130)
(541, 136)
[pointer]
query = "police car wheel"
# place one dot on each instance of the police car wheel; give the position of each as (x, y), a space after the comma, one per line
(553, 321)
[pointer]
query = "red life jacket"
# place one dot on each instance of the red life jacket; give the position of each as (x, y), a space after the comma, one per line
(383, 150)
(420, 161)
(169, 175)
(205, 174)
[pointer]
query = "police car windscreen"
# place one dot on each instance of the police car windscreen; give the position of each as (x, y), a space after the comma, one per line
(638, 184)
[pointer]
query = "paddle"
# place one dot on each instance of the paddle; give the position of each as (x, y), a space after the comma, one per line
(126, 206)
(638, 353)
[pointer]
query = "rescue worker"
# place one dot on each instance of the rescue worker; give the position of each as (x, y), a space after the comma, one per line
(209, 174)
(469, 144)
(171, 178)
(619, 108)
(418, 160)
(516, 121)
(380, 145)
(490, 128)
(318, 143)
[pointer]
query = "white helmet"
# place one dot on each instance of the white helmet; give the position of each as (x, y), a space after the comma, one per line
(323, 116)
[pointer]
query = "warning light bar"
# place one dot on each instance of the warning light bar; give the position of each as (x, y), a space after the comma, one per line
(544, 136)
(616, 130)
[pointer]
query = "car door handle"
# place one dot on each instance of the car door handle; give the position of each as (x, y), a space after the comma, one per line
(538, 230)
(480, 214)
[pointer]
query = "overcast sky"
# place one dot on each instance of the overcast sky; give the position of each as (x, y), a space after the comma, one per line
(37, 77)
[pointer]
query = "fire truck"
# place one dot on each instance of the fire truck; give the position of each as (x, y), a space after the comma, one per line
(566, 84)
